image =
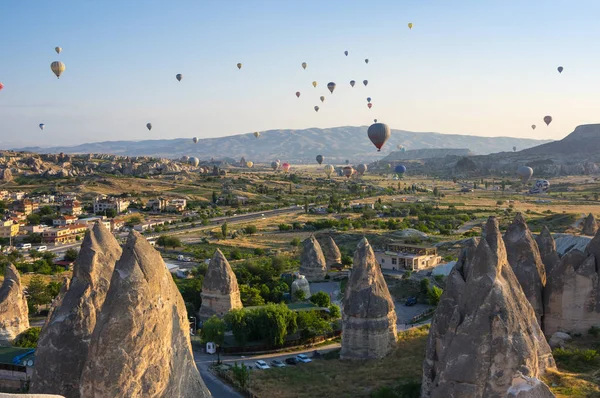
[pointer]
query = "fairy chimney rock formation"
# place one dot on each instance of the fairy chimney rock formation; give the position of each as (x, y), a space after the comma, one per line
(13, 306)
(301, 284)
(141, 343)
(572, 295)
(220, 291)
(331, 251)
(547, 247)
(590, 227)
(64, 341)
(368, 317)
(524, 257)
(484, 335)
(312, 260)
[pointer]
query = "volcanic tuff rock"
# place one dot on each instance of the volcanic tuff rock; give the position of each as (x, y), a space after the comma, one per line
(484, 335)
(220, 291)
(368, 317)
(524, 257)
(547, 248)
(330, 251)
(301, 284)
(572, 295)
(63, 345)
(590, 227)
(312, 260)
(13, 306)
(141, 343)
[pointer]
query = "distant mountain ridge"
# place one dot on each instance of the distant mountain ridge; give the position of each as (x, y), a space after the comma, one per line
(301, 146)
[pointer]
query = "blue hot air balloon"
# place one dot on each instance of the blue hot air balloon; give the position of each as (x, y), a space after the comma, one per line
(400, 169)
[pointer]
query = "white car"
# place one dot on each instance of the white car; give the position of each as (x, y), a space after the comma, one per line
(303, 358)
(261, 365)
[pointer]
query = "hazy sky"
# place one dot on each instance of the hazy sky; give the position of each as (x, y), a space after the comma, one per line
(480, 67)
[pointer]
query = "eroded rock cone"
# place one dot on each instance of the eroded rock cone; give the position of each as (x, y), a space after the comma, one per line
(141, 345)
(547, 248)
(484, 334)
(64, 341)
(590, 227)
(368, 317)
(312, 260)
(220, 291)
(331, 251)
(524, 257)
(13, 306)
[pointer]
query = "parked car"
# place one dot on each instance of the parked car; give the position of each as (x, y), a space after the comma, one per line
(261, 365)
(303, 358)
(291, 361)
(410, 301)
(276, 363)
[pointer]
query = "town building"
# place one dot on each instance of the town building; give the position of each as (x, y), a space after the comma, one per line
(104, 203)
(25, 206)
(66, 234)
(8, 228)
(71, 207)
(400, 256)
(17, 195)
(176, 205)
(64, 220)
(158, 204)
(90, 221)
(147, 226)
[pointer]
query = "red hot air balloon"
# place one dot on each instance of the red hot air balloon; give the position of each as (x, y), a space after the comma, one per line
(379, 133)
(286, 167)
(1, 86)
(369, 105)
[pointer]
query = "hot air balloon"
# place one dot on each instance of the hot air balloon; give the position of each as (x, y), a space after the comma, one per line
(304, 65)
(524, 173)
(149, 126)
(331, 86)
(286, 167)
(316, 109)
(322, 98)
(298, 94)
(547, 120)
(249, 164)
(274, 165)
(346, 53)
(347, 161)
(58, 68)
(256, 134)
(369, 105)
(320, 159)
(374, 120)
(1, 86)
(185, 158)
(410, 25)
(368, 99)
(42, 125)
(194, 161)
(540, 186)
(400, 169)
(329, 169)
(367, 61)
(57, 49)
(314, 84)
(560, 69)
(195, 139)
(348, 171)
(400, 146)
(239, 65)
(361, 169)
(179, 76)
(379, 134)
(365, 82)
(533, 126)
(514, 149)
(352, 83)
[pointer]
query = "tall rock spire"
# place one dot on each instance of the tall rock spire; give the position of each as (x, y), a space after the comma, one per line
(13, 306)
(220, 291)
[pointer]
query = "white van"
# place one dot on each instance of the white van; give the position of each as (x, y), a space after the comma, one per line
(24, 246)
(42, 248)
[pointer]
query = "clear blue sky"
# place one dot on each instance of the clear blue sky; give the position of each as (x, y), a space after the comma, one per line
(480, 67)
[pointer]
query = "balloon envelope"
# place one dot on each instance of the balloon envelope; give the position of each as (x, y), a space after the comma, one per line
(179, 76)
(298, 94)
(374, 120)
(379, 133)
(368, 99)
(256, 134)
(57, 68)
(367, 61)
(316, 109)
(304, 65)
(239, 65)
(400, 169)
(331, 86)
(352, 83)
(1, 86)
(320, 159)
(314, 84)
(42, 125)
(533, 126)
(194, 161)
(361, 168)
(524, 173)
(369, 105)
(328, 170)
(249, 164)
(286, 167)
(560, 69)
(547, 120)
(365, 82)
(322, 98)
(195, 139)
(149, 126)
(348, 171)
(58, 50)
(274, 165)
(410, 25)
(346, 53)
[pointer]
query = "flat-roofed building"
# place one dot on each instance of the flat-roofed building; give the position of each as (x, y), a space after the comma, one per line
(401, 256)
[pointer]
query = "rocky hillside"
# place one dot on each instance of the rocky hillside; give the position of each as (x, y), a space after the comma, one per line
(336, 144)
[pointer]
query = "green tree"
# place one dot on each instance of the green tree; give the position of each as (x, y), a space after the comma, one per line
(46, 210)
(250, 229)
(224, 230)
(276, 321)
(311, 324)
(241, 375)
(334, 311)
(299, 295)
(250, 296)
(215, 197)
(53, 289)
(237, 320)
(321, 299)
(34, 219)
(295, 242)
(37, 294)
(214, 330)
(425, 286)
(133, 220)
(29, 338)
(71, 254)
(306, 205)
(434, 294)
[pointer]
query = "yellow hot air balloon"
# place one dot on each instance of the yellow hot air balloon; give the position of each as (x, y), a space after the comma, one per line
(410, 25)
(239, 65)
(58, 50)
(256, 134)
(58, 68)
(304, 65)
(249, 164)
(314, 84)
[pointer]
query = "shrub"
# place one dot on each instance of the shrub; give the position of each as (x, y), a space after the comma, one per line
(576, 360)
(321, 299)
(594, 331)
(28, 338)
(434, 295)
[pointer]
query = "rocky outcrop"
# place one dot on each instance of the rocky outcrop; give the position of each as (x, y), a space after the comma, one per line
(141, 343)
(368, 317)
(484, 336)
(63, 345)
(312, 260)
(301, 284)
(590, 227)
(220, 291)
(524, 257)
(547, 248)
(13, 306)
(330, 251)
(6, 175)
